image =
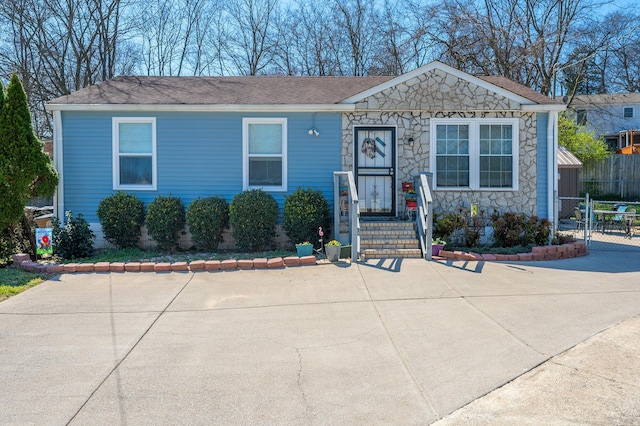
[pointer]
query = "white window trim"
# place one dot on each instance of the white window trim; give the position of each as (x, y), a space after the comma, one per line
(474, 151)
(116, 153)
(245, 152)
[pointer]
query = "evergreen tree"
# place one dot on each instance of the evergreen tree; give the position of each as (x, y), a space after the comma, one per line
(25, 169)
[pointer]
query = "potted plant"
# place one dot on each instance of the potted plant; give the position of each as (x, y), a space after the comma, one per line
(304, 249)
(437, 244)
(332, 250)
(411, 195)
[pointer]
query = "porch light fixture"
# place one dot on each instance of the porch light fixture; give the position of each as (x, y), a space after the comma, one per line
(314, 132)
(410, 141)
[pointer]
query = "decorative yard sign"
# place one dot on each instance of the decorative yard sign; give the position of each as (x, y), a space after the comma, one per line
(44, 236)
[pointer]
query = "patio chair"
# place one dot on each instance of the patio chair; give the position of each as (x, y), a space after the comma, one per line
(619, 221)
(629, 219)
(579, 218)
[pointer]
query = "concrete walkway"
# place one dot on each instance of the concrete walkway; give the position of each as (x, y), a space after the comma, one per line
(384, 342)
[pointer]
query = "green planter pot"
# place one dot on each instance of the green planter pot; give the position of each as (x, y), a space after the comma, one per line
(333, 253)
(345, 251)
(304, 250)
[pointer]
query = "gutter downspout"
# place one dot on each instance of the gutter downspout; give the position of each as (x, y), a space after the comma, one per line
(58, 198)
(552, 160)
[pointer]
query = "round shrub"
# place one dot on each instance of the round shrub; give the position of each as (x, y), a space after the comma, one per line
(305, 211)
(165, 219)
(207, 219)
(74, 239)
(253, 215)
(121, 216)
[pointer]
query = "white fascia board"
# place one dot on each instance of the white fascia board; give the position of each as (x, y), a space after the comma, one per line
(442, 67)
(202, 108)
(543, 107)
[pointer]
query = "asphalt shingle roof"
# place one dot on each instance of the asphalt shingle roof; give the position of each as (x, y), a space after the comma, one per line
(263, 90)
(247, 90)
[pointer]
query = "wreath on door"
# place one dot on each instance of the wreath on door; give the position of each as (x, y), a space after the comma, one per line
(369, 148)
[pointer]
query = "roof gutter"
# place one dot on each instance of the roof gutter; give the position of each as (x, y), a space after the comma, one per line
(203, 108)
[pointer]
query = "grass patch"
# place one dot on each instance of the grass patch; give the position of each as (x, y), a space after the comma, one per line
(14, 281)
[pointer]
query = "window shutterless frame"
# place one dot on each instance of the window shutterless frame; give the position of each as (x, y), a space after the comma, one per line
(482, 157)
(264, 154)
(134, 153)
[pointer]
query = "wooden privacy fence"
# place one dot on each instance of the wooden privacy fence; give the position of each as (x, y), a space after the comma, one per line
(618, 175)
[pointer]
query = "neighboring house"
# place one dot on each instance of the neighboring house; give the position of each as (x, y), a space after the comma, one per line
(487, 140)
(610, 115)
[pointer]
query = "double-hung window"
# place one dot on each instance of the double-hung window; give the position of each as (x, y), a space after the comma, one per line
(475, 154)
(134, 153)
(265, 153)
(628, 112)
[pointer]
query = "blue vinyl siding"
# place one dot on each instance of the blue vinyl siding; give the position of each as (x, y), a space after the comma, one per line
(198, 155)
(542, 165)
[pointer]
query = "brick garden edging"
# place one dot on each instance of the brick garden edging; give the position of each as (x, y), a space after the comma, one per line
(23, 261)
(563, 251)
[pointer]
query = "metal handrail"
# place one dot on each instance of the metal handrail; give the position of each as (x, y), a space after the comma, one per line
(354, 211)
(424, 216)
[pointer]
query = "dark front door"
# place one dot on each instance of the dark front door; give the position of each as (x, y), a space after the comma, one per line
(375, 170)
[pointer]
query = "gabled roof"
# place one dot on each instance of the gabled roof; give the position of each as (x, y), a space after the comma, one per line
(520, 90)
(264, 93)
(606, 99)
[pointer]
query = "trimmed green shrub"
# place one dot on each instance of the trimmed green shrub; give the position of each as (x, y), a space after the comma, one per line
(512, 229)
(74, 239)
(207, 219)
(121, 216)
(165, 219)
(253, 215)
(305, 210)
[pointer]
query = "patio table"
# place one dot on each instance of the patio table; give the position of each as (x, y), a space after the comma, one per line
(608, 215)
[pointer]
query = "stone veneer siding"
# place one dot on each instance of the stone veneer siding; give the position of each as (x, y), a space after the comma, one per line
(411, 105)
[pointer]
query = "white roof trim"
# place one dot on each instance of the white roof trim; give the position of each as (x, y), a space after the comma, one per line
(543, 107)
(449, 70)
(203, 108)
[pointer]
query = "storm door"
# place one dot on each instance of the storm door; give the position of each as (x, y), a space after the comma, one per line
(375, 170)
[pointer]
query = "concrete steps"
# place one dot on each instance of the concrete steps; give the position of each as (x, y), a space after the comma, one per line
(384, 239)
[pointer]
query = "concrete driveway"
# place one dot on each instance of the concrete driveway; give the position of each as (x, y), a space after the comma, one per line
(384, 342)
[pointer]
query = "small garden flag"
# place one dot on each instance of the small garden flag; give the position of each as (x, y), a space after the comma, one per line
(44, 237)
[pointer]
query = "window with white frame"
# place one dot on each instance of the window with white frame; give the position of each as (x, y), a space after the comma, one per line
(475, 154)
(265, 153)
(628, 112)
(134, 153)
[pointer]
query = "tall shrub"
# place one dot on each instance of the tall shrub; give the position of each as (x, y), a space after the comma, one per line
(25, 170)
(121, 216)
(165, 219)
(207, 219)
(253, 215)
(305, 210)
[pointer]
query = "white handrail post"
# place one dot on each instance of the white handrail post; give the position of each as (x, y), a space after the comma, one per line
(354, 211)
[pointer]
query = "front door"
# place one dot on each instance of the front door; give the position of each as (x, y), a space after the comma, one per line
(375, 170)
